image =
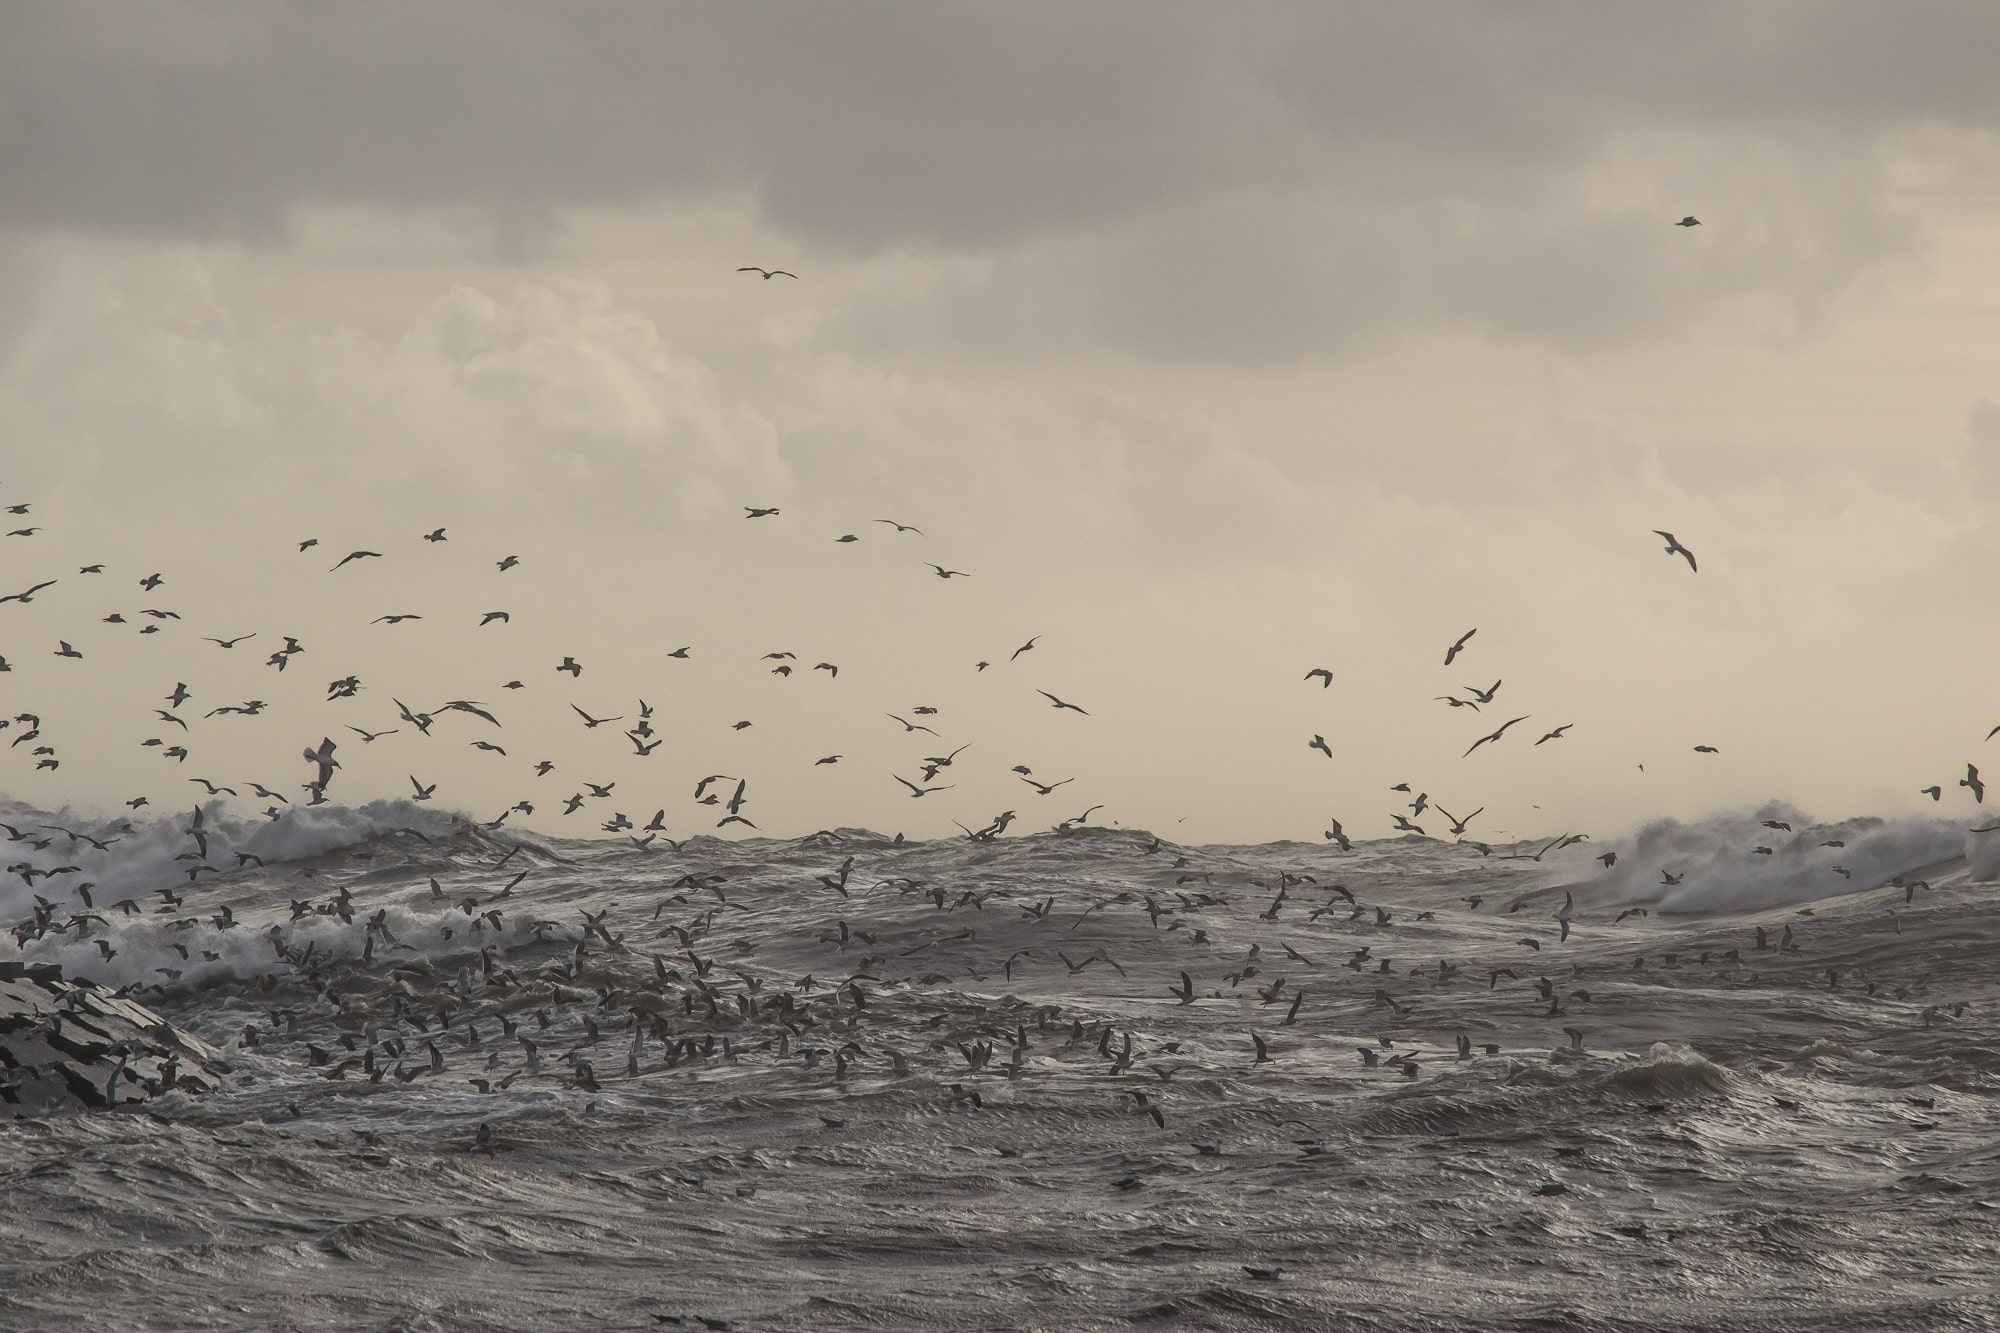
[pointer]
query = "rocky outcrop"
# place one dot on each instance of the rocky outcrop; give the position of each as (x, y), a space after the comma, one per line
(67, 1046)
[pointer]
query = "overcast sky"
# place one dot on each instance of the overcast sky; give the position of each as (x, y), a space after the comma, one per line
(1212, 344)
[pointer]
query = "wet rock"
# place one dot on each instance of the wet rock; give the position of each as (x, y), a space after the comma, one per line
(70, 1046)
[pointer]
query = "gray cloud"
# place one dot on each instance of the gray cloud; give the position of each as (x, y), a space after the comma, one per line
(1290, 181)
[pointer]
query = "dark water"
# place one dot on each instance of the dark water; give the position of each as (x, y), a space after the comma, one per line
(1705, 1135)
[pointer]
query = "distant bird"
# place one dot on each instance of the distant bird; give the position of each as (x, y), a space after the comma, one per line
(435, 535)
(508, 563)
(308, 543)
(1706, 749)
(944, 573)
(66, 651)
(1059, 703)
(593, 722)
(1318, 742)
(909, 726)
(1025, 647)
(1556, 735)
(1336, 834)
(1689, 221)
(423, 793)
(571, 665)
(900, 527)
(748, 512)
(1935, 793)
(1675, 548)
(1495, 736)
(850, 537)
(1325, 676)
(769, 273)
(1972, 782)
(492, 616)
(1452, 652)
(351, 555)
(394, 619)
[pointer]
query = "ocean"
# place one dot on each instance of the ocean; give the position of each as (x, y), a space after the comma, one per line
(473, 1078)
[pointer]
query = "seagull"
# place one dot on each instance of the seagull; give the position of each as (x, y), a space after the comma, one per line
(748, 512)
(1935, 793)
(769, 273)
(1495, 736)
(323, 758)
(900, 527)
(1556, 735)
(944, 573)
(1689, 221)
(1675, 548)
(508, 563)
(351, 555)
(492, 616)
(1318, 742)
(435, 535)
(909, 726)
(1453, 651)
(1971, 780)
(1059, 703)
(1706, 749)
(394, 619)
(1025, 647)
(1458, 825)
(1325, 676)
(915, 790)
(593, 722)
(29, 595)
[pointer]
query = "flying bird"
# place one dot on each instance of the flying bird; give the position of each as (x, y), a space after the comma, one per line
(1453, 651)
(900, 527)
(769, 273)
(1325, 676)
(1495, 736)
(29, 595)
(1675, 548)
(1972, 782)
(1556, 735)
(1059, 703)
(1689, 221)
(944, 573)
(351, 555)
(1318, 742)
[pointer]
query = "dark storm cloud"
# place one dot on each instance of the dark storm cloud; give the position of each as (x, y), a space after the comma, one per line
(875, 122)
(1252, 185)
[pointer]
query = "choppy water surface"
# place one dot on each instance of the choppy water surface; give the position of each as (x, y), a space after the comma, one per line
(967, 1086)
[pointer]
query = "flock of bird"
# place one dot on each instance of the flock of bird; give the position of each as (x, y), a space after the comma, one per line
(684, 1006)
